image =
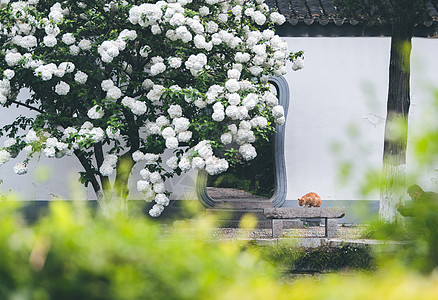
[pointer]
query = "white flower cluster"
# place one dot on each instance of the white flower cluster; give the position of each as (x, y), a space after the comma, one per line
(20, 168)
(137, 107)
(96, 112)
(5, 156)
(298, 64)
(5, 88)
(196, 63)
(46, 72)
(219, 78)
(108, 165)
(109, 50)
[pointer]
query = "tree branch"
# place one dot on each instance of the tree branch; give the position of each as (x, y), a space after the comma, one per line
(18, 103)
(98, 153)
(87, 166)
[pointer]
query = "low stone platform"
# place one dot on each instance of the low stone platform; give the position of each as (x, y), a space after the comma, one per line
(279, 215)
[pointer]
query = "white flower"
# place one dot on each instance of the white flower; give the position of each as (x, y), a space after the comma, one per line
(49, 152)
(96, 112)
(218, 106)
(185, 136)
(255, 70)
(212, 27)
(68, 38)
(278, 111)
(232, 128)
(143, 186)
(174, 62)
(196, 63)
(147, 84)
(159, 188)
(232, 85)
(145, 50)
(218, 115)
(62, 88)
(128, 35)
(106, 170)
(233, 99)
(28, 42)
(168, 132)
(233, 74)
(270, 99)
(214, 166)
(145, 174)
(113, 93)
(259, 18)
(20, 168)
(158, 68)
(156, 210)
(175, 111)
(156, 92)
(111, 159)
(204, 149)
(248, 151)
(50, 40)
(150, 158)
(162, 199)
(277, 18)
(181, 124)
(280, 121)
(172, 162)
(85, 44)
(162, 121)
(12, 58)
(97, 134)
(204, 11)
(31, 136)
(184, 164)
(171, 143)
(81, 77)
(198, 163)
(155, 29)
(223, 18)
(155, 177)
(259, 121)
(4, 156)
(74, 50)
(250, 101)
(137, 156)
(298, 64)
(107, 84)
(138, 108)
(226, 138)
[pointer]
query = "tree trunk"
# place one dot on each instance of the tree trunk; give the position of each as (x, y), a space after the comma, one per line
(396, 127)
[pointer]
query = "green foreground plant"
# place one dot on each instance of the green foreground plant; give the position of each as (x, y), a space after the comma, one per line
(70, 254)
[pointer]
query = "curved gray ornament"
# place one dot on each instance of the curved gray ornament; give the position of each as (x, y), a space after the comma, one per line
(279, 197)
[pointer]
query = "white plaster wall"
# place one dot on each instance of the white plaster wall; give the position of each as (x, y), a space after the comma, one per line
(342, 89)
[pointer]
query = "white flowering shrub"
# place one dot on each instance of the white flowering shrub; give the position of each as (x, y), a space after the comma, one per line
(116, 83)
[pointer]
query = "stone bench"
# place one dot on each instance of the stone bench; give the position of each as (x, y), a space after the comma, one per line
(330, 214)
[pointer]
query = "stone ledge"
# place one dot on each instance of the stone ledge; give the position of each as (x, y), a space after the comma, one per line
(305, 212)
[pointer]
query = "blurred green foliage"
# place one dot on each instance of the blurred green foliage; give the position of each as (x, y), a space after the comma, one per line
(71, 254)
(290, 258)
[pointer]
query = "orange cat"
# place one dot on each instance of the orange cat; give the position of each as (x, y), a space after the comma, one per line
(310, 199)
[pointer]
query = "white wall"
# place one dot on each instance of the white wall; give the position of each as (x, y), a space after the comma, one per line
(342, 89)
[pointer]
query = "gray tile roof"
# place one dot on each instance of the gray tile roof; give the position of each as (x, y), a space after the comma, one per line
(324, 12)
